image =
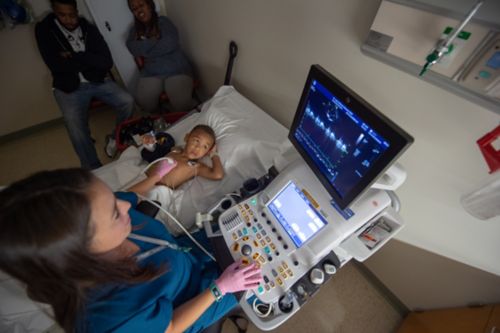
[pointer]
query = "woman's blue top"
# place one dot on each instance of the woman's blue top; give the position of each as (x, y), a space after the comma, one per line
(149, 306)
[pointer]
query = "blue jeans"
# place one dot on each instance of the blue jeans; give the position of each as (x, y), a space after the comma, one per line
(75, 110)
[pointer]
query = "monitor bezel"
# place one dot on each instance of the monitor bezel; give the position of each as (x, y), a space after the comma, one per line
(399, 139)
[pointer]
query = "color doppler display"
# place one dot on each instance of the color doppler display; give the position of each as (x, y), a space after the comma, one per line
(340, 143)
(345, 141)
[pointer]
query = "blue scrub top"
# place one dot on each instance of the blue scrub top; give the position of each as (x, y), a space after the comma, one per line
(149, 306)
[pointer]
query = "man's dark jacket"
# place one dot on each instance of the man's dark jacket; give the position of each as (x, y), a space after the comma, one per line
(94, 63)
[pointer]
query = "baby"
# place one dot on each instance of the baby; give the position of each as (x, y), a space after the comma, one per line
(184, 162)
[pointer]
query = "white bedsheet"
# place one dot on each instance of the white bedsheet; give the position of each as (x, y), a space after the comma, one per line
(248, 140)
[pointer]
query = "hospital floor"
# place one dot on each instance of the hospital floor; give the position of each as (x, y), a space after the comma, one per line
(350, 302)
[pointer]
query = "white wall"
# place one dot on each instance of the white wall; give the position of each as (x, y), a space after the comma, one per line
(279, 40)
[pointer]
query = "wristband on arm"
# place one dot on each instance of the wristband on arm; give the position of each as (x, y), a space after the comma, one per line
(214, 289)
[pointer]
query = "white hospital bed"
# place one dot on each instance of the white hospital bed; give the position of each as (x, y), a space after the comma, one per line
(248, 140)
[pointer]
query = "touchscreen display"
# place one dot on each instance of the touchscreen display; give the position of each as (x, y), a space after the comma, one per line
(296, 214)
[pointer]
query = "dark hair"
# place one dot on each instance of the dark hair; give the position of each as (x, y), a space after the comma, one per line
(142, 29)
(64, 2)
(45, 236)
(205, 128)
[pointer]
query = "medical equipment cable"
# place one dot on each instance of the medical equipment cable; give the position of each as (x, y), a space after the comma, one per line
(179, 224)
(164, 210)
(258, 312)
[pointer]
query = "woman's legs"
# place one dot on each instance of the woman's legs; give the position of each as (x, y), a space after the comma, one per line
(148, 93)
(179, 89)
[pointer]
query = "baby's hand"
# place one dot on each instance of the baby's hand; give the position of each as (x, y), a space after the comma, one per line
(148, 139)
(213, 152)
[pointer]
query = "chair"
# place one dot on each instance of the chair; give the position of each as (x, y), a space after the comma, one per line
(164, 97)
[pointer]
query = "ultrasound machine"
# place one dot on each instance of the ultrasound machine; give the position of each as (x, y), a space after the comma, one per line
(332, 203)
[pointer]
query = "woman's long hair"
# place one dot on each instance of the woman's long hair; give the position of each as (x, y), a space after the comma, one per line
(145, 29)
(45, 235)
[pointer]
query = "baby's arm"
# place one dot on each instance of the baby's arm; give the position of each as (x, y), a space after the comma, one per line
(216, 172)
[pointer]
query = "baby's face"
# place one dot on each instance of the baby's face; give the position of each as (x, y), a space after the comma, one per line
(198, 144)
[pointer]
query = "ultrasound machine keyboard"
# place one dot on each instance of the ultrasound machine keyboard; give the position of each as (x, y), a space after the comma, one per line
(253, 237)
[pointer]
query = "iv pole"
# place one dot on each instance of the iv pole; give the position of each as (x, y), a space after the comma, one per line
(443, 45)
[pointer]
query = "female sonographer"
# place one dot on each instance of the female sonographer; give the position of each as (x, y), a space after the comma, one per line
(67, 237)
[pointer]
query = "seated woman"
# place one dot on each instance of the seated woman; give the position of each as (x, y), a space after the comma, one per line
(65, 235)
(166, 68)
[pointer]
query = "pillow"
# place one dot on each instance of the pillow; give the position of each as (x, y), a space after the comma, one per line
(247, 141)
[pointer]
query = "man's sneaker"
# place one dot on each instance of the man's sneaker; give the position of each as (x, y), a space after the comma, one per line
(110, 148)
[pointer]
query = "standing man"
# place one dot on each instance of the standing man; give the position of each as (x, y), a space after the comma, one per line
(79, 61)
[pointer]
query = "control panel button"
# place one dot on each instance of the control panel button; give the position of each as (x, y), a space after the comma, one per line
(279, 281)
(246, 250)
(260, 289)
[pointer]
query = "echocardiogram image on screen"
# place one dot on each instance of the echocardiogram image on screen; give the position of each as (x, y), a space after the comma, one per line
(342, 146)
(345, 141)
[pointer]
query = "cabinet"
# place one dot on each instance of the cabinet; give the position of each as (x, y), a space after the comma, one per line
(484, 319)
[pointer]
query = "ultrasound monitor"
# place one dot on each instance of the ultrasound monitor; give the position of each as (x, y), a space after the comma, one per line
(345, 141)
